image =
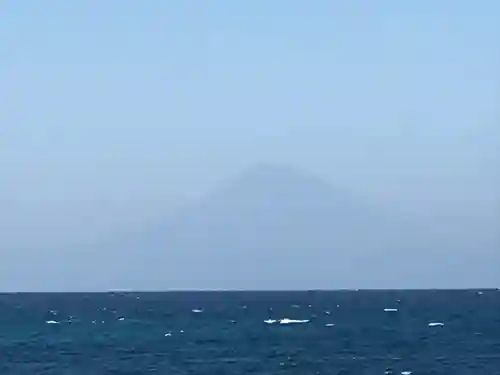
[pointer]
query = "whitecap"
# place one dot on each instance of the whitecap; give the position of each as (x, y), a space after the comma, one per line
(270, 321)
(405, 372)
(436, 324)
(52, 322)
(168, 334)
(390, 310)
(293, 321)
(329, 325)
(121, 319)
(197, 310)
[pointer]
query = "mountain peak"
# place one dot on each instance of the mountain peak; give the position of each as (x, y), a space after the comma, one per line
(271, 170)
(264, 182)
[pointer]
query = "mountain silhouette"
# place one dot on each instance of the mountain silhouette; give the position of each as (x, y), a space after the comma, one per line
(278, 227)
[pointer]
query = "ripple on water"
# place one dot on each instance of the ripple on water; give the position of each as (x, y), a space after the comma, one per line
(160, 333)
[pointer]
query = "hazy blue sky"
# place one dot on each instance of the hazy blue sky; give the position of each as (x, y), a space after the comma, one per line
(114, 112)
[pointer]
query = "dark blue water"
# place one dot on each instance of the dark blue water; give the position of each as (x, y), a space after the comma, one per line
(158, 333)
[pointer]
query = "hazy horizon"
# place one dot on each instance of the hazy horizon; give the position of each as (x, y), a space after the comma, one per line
(115, 117)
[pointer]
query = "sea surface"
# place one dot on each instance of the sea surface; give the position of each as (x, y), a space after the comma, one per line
(318, 332)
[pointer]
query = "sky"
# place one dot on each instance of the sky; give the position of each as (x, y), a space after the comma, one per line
(114, 114)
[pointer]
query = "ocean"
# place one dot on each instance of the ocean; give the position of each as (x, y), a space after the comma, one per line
(315, 332)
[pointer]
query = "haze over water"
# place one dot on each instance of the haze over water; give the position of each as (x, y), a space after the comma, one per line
(117, 118)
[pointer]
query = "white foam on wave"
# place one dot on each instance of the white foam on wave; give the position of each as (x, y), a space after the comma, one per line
(286, 321)
(390, 310)
(293, 321)
(436, 324)
(52, 322)
(329, 325)
(197, 310)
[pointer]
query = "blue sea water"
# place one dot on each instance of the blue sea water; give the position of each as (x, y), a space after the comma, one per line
(340, 332)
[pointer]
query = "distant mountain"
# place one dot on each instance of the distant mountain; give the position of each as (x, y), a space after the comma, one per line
(276, 227)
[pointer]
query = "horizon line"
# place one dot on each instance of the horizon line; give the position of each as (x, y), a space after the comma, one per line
(166, 291)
